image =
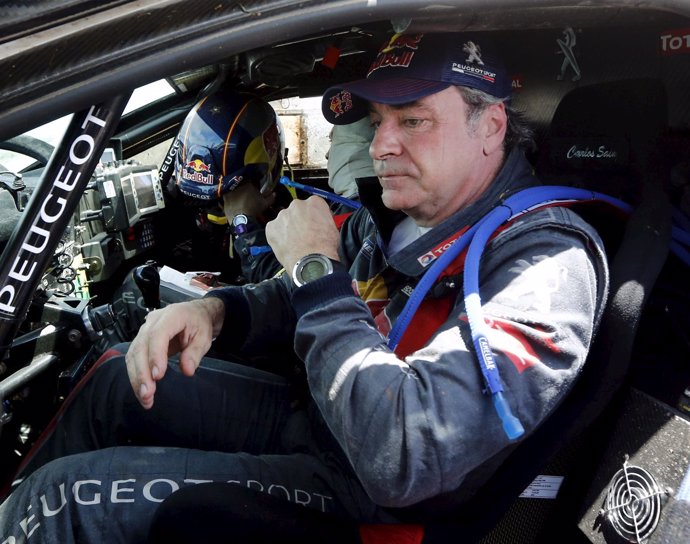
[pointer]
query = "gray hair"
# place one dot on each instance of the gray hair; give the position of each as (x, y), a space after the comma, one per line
(518, 132)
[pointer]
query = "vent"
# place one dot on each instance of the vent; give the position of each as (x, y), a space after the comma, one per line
(633, 503)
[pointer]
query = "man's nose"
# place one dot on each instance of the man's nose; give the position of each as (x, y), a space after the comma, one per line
(386, 141)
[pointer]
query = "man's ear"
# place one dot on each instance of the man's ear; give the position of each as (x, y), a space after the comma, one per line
(494, 126)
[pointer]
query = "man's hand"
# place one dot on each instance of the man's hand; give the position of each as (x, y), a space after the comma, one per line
(186, 328)
(306, 226)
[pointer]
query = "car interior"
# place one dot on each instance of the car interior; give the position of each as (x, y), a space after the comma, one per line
(606, 89)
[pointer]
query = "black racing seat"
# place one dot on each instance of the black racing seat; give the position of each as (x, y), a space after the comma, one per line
(647, 233)
(605, 137)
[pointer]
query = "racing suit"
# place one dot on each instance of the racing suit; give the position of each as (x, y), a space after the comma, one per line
(380, 430)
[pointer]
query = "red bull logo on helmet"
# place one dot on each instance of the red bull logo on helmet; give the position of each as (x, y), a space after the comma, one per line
(198, 166)
(198, 171)
(272, 141)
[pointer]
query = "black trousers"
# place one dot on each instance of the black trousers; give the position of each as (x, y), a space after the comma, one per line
(105, 465)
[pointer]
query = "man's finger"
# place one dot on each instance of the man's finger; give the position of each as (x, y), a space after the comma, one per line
(137, 370)
(197, 346)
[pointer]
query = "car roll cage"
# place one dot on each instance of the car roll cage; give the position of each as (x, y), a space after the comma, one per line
(49, 211)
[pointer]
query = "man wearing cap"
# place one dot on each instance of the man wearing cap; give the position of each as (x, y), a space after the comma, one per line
(380, 429)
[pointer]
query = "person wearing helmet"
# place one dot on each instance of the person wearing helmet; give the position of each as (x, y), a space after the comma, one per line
(227, 165)
(229, 161)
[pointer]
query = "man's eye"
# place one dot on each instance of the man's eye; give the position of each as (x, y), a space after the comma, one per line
(413, 123)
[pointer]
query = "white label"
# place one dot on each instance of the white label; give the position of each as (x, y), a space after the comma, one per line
(109, 188)
(543, 487)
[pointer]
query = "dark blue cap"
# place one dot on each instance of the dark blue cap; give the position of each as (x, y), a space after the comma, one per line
(411, 66)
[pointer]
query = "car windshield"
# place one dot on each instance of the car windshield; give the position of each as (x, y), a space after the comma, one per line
(51, 133)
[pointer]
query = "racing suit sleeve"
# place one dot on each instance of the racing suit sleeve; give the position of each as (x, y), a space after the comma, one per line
(415, 428)
(258, 317)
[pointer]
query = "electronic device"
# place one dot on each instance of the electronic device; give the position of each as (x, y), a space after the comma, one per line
(147, 188)
(128, 192)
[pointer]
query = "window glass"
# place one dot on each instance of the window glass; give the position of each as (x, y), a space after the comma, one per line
(53, 132)
(305, 130)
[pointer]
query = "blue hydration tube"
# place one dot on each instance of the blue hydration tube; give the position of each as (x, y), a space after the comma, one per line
(259, 250)
(680, 234)
(320, 192)
(476, 238)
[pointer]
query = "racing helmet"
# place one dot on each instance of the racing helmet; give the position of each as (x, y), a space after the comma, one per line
(228, 138)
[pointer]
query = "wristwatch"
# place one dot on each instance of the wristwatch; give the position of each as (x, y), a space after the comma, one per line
(311, 267)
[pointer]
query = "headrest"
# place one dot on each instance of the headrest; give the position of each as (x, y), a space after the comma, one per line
(602, 135)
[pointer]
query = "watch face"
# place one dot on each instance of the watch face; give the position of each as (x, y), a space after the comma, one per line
(312, 270)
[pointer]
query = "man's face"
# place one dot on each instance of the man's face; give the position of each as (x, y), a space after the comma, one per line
(430, 163)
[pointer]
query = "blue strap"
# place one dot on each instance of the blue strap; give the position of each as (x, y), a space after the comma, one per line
(259, 250)
(681, 236)
(682, 220)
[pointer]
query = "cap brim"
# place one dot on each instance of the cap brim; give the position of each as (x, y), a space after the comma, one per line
(347, 103)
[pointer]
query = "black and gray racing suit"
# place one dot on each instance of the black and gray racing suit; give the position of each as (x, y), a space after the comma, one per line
(378, 430)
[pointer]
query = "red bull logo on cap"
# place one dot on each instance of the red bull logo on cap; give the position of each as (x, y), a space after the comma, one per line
(397, 41)
(391, 55)
(341, 103)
